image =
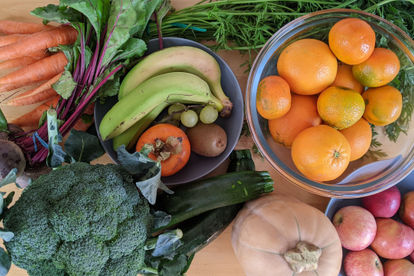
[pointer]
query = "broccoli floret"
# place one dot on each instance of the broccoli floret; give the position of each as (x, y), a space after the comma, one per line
(79, 220)
(45, 268)
(128, 265)
(131, 234)
(85, 256)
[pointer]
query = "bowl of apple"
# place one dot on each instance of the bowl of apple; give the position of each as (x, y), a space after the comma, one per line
(377, 231)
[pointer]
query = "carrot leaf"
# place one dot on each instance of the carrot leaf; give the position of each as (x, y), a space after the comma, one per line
(3, 122)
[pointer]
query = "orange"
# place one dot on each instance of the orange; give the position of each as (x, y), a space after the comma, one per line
(308, 66)
(352, 40)
(381, 68)
(321, 153)
(340, 107)
(273, 97)
(359, 136)
(383, 105)
(345, 78)
(302, 114)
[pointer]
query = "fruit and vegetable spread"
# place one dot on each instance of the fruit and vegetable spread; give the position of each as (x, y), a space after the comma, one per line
(75, 218)
(328, 94)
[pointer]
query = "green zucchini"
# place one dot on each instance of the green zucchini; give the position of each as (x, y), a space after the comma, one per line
(192, 199)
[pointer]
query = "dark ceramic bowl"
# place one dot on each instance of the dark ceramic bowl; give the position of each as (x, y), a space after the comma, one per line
(198, 166)
(335, 204)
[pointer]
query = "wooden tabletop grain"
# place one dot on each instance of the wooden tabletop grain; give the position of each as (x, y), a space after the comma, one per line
(217, 259)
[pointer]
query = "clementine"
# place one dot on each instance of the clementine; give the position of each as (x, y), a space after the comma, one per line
(383, 105)
(345, 78)
(359, 136)
(302, 114)
(379, 69)
(352, 40)
(308, 65)
(273, 97)
(321, 153)
(340, 107)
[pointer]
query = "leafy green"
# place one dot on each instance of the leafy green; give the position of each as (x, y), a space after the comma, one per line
(56, 155)
(59, 14)
(83, 147)
(5, 262)
(146, 170)
(3, 122)
(65, 85)
(10, 177)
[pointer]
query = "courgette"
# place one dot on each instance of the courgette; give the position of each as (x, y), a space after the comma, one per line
(192, 199)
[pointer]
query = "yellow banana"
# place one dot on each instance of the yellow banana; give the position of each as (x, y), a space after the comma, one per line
(178, 59)
(131, 135)
(166, 88)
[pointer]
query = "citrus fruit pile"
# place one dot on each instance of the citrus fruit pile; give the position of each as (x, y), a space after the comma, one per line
(326, 95)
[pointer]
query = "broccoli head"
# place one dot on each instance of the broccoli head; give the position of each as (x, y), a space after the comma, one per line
(80, 219)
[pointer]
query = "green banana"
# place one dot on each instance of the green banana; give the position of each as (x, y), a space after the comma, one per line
(131, 135)
(179, 59)
(167, 88)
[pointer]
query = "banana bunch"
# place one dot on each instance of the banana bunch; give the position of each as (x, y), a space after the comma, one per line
(179, 74)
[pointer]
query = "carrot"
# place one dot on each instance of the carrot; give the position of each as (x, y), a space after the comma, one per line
(32, 118)
(36, 95)
(43, 69)
(174, 154)
(16, 27)
(21, 61)
(9, 39)
(39, 41)
(80, 124)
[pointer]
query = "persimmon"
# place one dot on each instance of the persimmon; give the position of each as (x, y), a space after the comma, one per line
(170, 146)
(359, 136)
(302, 114)
(273, 97)
(321, 153)
(308, 65)
(379, 69)
(340, 107)
(352, 40)
(383, 105)
(345, 78)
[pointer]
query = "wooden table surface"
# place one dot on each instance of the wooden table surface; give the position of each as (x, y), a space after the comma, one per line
(217, 259)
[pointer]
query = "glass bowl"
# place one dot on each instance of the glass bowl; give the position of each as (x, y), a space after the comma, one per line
(367, 175)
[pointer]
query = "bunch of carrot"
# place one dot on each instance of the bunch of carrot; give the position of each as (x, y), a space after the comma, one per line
(24, 54)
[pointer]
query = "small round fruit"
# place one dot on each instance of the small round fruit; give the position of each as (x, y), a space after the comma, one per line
(321, 153)
(308, 65)
(345, 78)
(384, 204)
(364, 262)
(189, 118)
(394, 240)
(352, 40)
(359, 136)
(379, 69)
(400, 267)
(273, 97)
(383, 105)
(356, 227)
(302, 114)
(208, 114)
(175, 110)
(340, 107)
(207, 140)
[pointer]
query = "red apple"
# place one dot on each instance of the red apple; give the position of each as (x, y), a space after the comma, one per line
(394, 240)
(407, 209)
(364, 262)
(401, 267)
(384, 204)
(356, 227)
